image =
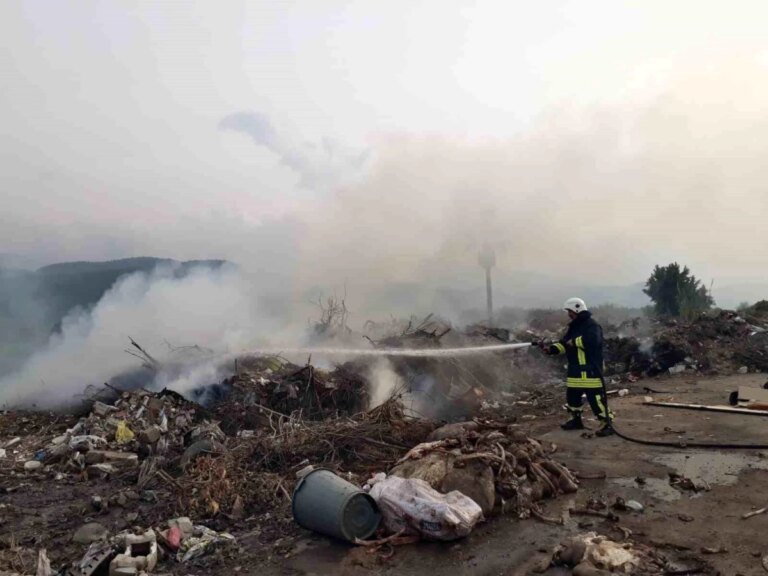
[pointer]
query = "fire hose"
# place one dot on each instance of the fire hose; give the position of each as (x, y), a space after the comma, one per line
(682, 444)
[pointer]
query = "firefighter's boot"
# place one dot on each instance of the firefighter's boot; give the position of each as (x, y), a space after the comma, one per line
(606, 430)
(574, 423)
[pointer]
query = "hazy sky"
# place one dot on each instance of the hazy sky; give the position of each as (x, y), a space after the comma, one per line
(387, 140)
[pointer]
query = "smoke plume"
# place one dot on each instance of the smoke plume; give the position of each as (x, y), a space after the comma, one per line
(211, 308)
(582, 197)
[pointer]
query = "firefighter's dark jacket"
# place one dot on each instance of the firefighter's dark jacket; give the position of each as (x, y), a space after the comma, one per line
(583, 346)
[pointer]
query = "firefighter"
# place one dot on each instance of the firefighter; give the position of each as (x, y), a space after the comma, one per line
(583, 346)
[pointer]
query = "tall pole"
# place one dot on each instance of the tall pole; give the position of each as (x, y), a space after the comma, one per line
(489, 296)
(487, 259)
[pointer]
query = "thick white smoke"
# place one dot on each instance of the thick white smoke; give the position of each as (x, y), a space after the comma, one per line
(215, 309)
(384, 382)
(589, 196)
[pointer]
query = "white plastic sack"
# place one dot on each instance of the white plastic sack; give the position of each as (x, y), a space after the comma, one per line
(413, 505)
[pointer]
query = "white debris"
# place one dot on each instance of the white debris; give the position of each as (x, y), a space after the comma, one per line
(413, 505)
(677, 369)
(609, 555)
(88, 441)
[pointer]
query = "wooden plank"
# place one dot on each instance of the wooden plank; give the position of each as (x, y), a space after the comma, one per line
(747, 393)
(703, 407)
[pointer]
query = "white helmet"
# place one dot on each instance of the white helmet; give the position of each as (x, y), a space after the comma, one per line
(575, 305)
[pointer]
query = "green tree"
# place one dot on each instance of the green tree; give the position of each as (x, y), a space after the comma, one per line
(677, 292)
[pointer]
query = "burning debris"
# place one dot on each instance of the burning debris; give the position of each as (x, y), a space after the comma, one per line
(274, 384)
(140, 465)
(259, 468)
(143, 458)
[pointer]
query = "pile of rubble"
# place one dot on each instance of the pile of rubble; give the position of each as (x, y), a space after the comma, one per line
(114, 465)
(256, 473)
(138, 552)
(138, 465)
(274, 384)
(113, 438)
(713, 343)
(495, 464)
(124, 479)
(453, 388)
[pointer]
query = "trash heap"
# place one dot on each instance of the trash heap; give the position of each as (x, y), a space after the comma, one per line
(449, 387)
(256, 474)
(720, 342)
(113, 439)
(138, 551)
(278, 385)
(710, 344)
(497, 465)
(131, 471)
(120, 459)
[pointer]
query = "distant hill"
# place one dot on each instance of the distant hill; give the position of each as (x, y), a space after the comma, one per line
(123, 266)
(82, 284)
(33, 303)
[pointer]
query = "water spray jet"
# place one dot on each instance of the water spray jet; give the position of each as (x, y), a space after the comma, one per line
(393, 352)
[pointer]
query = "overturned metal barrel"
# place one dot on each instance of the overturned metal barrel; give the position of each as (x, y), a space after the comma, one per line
(325, 503)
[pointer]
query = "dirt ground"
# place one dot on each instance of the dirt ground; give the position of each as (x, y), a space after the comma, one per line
(38, 513)
(683, 523)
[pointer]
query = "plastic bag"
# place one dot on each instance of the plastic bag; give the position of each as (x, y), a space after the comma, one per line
(413, 505)
(123, 434)
(201, 542)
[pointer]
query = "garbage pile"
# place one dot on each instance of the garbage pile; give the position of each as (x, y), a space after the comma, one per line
(256, 472)
(278, 385)
(113, 438)
(713, 343)
(128, 466)
(138, 552)
(138, 459)
(120, 459)
(438, 490)
(495, 464)
(720, 342)
(449, 387)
